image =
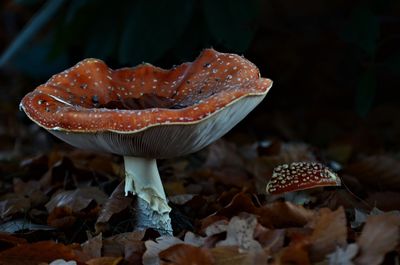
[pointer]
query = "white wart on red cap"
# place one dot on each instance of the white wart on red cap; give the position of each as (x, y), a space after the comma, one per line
(300, 176)
(191, 105)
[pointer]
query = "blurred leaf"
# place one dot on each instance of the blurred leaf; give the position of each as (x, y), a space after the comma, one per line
(365, 93)
(232, 22)
(363, 29)
(33, 254)
(35, 61)
(393, 63)
(28, 3)
(379, 236)
(151, 28)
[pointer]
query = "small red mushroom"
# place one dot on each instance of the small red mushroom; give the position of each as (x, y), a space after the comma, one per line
(145, 113)
(301, 176)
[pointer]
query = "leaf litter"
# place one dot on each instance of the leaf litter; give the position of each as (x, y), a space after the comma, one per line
(72, 202)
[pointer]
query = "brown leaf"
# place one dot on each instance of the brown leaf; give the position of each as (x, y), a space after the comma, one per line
(114, 205)
(270, 239)
(229, 255)
(13, 204)
(343, 256)
(105, 261)
(92, 247)
(330, 232)
(35, 253)
(184, 254)
(370, 169)
(379, 236)
(76, 200)
(8, 241)
(295, 254)
(284, 214)
(127, 245)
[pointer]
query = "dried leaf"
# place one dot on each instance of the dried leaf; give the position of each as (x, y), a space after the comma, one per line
(35, 253)
(92, 247)
(240, 232)
(284, 214)
(369, 169)
(343, 256)
(128, 245)
(105, 261)
(13, 204)
(379, 236)
(8, 241)
(295, 254)
(63, 262)
(184, 254)
(231, 256)
(114, 205)
(330, 232)
(76, 200)
(153, 249)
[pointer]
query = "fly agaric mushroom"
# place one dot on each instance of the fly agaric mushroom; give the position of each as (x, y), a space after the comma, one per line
(146, 113)
(301, 176)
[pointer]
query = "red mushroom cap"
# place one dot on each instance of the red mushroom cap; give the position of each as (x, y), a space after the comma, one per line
(94, 107)
(301, 176)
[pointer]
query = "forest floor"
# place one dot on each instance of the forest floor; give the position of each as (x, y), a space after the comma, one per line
(58, 202)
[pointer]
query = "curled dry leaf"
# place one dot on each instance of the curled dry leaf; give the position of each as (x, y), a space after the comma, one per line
(284, 214)
(379, 236)
(329, 232)
(184, 254)
(240, 233)
(35, 253)
(114, 205)
(13, 204)
(343, 256)
(76, 200)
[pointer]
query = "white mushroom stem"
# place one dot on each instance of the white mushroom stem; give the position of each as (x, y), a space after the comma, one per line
(142, 179)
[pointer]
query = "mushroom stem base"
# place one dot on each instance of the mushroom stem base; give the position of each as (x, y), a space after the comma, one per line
(142, 179)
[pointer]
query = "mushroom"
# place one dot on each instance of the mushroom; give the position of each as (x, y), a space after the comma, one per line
(301, 176)
(146, 113)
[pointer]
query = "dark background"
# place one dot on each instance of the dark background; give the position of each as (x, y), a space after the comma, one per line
(335, 64)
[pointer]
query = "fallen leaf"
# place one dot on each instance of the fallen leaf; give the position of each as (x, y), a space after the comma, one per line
(329, 232)
(271, 239)
(114, 205)
(8, 241)
(231, 256)
(62, 262)
(184, 254)
(92, 247)
(294, 254)
(369, 169)
(13, 204)
(105, 261)
(35, 253)
(284, 214)
(127, 245)
(379, 236)
(240, 233)
(343, 256)
(76, 200)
